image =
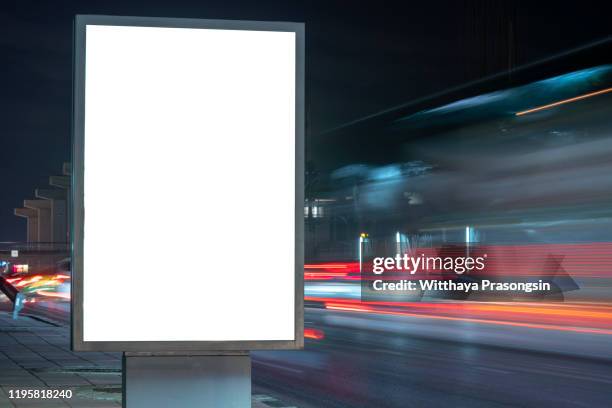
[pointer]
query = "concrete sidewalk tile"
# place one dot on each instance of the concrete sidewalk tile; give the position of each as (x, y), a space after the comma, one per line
(28, 359)
(103, 379)
(56, 353)
(4, 399)
(108, 364)
(45, 364)
(82, 403)
(13, 372)
(97, 396)
(24, 384)
(39, 403)
(59, 379)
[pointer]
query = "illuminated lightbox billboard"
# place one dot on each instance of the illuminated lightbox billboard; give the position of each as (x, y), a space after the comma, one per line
(188, 184)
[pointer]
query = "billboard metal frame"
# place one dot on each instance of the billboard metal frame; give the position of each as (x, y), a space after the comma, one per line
(77, 198)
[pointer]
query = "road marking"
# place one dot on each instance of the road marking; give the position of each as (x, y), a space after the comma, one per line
(270, 401)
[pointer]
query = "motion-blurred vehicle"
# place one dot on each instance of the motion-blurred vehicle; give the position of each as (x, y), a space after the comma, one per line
(516, 167)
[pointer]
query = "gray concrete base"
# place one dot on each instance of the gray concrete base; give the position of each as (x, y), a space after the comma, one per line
(201, 381)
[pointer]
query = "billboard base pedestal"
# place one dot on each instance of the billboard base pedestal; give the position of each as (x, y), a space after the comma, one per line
(186, 380)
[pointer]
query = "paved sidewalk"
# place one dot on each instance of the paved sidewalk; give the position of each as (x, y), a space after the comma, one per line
(35, 355)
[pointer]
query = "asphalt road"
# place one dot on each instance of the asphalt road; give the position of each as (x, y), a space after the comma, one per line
(373, 368)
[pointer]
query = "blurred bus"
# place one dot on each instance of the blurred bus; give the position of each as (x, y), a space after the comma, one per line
(517, 166)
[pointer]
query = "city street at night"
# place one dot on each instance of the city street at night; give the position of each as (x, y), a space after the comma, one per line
(424, 357)
(271, 204)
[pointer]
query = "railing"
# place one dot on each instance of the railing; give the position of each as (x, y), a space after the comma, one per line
(34, 246)
(13, 294)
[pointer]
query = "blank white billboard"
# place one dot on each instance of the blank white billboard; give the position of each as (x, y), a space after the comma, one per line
(189, 185)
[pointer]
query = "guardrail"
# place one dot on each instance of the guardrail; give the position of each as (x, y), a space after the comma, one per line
(34, 246)
(13, 294)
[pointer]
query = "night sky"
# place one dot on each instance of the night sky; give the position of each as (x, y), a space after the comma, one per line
(360, 58)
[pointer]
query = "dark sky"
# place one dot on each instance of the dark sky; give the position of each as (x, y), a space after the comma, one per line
(362, 57)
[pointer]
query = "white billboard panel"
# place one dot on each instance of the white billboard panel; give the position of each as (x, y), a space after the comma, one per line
(186, 133)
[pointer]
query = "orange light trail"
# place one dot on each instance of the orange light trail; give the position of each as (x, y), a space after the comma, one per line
(53, 294)
(358, 308)
(562, 309)
(331, 270)
(324, 275)
(327, 266)
(28, 281)
(315, 334)
(564, 101)
(584, 318)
